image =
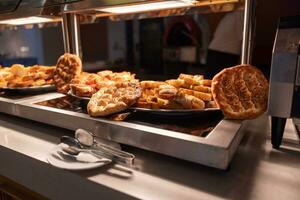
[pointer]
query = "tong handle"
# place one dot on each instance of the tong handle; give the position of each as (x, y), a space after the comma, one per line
(115, 154)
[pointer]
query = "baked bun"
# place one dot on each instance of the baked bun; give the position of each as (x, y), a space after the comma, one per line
(241, 92)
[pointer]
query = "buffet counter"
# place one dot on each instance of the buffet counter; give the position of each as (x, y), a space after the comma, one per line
(256, 172)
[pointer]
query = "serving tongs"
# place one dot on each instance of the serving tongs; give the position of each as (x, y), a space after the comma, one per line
(86, 141)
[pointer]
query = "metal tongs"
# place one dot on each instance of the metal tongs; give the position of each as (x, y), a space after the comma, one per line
(87, 141)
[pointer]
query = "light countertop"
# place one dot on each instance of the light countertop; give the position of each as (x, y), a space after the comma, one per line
(256, 172)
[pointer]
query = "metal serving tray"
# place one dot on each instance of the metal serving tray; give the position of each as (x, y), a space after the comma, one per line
(215, 150)
(8, 100)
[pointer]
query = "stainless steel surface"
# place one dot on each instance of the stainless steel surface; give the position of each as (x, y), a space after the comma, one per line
(280, 99)
(284, 72)
(78, 143)
(256, 172)
(28, 8)
(249, 20)
(71, 33)
(93, 4)
(208, 8)
(297, 83)
(43, 88)
(8, 102)
(91, 7)
(215, 150)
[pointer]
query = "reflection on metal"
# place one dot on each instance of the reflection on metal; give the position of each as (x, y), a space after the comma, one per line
(91, 8)
(145, 7)
(26, 20)
(215, 150)
(29, 8)
(88, 10)
(173, 12)
(71, 33)
(53, 23)
(249, 26)
(24, 12)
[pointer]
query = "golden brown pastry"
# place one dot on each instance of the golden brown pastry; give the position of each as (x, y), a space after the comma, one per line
(82, 90)
(201, 88)
(68, 66)
(241, 92)
(211, 104)
(167, 91)
(190, 102)
(110, 100)
(18, 76)
(176, 82)
(87, 84)
(18, 70)
(151, 84)
(5, 76)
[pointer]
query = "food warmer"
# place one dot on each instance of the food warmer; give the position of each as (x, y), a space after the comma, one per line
(284, 99)
(204, 138)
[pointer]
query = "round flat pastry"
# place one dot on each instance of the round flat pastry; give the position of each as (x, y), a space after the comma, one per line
(68, 66)
(241, 92)
(113, 99)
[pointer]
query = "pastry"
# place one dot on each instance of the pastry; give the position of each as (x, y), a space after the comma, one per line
(190, 102)
(176, 82)
(151, 84)
(110, 100)
(18, 76)
(241, 92)
(68, 67)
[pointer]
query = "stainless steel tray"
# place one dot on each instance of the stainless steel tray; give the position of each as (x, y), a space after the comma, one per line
(215, 150)
(84, 100)
(8, 102)
(164, 112)
(175, 112)
(34, 89)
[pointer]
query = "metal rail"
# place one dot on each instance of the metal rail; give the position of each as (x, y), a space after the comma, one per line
(215, 150)
(249, 27)
(71, 33)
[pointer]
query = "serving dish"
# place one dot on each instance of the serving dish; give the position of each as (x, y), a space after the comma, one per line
(84, 100)
(43, 88)
(176, 112)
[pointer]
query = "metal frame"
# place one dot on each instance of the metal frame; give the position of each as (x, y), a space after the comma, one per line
(214, 150)
(29, 8)
(71, 30)
(249, 27)
(71, 33)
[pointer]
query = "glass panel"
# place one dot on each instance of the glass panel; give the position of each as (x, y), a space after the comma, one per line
(162, 48)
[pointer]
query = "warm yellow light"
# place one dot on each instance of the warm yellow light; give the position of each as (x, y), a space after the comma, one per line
(26, 20)
(148, 6)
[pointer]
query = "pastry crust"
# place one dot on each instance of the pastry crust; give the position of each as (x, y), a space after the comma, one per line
(151, 84)
(110, 100)
(190, 102)
(68, 66)
(18, 76)
(241, 92)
